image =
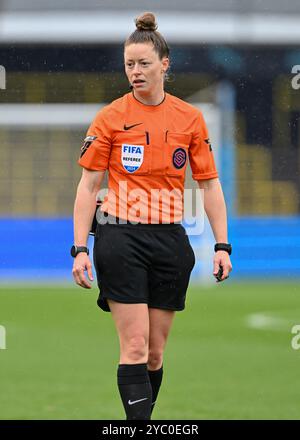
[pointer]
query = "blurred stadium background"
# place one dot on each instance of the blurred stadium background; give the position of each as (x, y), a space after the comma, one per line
(234, 59)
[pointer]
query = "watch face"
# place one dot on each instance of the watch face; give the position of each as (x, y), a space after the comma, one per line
(73, 251)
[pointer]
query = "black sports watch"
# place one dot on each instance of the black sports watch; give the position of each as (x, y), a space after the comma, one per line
(223, 247)
(75, 250)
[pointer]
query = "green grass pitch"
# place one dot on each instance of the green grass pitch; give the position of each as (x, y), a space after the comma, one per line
(229, 355)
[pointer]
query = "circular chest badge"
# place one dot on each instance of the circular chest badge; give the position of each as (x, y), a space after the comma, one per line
(179, 158)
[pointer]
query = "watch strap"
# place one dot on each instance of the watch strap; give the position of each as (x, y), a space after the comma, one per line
(223, 247)
(75, 250)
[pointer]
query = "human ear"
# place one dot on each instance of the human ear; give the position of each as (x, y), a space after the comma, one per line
(165, 64)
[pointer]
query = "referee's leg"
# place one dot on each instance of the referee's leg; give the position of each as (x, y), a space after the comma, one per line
(132, 324)
(160, 322)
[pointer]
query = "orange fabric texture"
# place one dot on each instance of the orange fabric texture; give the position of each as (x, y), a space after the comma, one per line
(145, 150)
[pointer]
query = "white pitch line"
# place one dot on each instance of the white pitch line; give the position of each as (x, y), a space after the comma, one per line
(263, 321)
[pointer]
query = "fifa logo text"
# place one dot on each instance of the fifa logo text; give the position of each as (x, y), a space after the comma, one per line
(2, 337)
(296, 339)
(2, 78)
(296, 79)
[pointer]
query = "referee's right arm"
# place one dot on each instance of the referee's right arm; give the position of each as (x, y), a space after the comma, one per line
(84, 211)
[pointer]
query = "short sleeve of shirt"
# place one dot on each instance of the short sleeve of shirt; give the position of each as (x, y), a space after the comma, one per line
(95, 151)
(200, 152)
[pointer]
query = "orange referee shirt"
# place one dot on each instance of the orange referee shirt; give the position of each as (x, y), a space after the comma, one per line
(145, 150)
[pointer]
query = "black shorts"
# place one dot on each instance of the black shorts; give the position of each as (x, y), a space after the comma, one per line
(143, 263)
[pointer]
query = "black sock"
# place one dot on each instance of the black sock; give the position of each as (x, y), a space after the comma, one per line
(155, 380)
(135, 390)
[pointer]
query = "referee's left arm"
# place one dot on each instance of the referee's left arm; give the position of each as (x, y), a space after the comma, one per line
(215, 208)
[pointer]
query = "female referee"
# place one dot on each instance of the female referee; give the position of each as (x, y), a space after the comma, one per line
(142, 255)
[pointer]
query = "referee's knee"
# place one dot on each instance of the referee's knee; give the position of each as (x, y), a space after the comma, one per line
(136, 350)
(155, 359)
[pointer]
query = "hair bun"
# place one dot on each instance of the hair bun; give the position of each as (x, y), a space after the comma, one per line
(146, 22)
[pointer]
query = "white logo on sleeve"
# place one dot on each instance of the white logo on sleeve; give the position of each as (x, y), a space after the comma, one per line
(136, 401)
(132, 157)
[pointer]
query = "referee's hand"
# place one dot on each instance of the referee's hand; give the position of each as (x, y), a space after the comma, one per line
(222, 261)
(81, 264)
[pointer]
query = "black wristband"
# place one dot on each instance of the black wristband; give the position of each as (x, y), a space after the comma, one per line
(223, 247)
(75, 250)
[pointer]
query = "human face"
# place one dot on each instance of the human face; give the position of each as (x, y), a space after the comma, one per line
(144, 70)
